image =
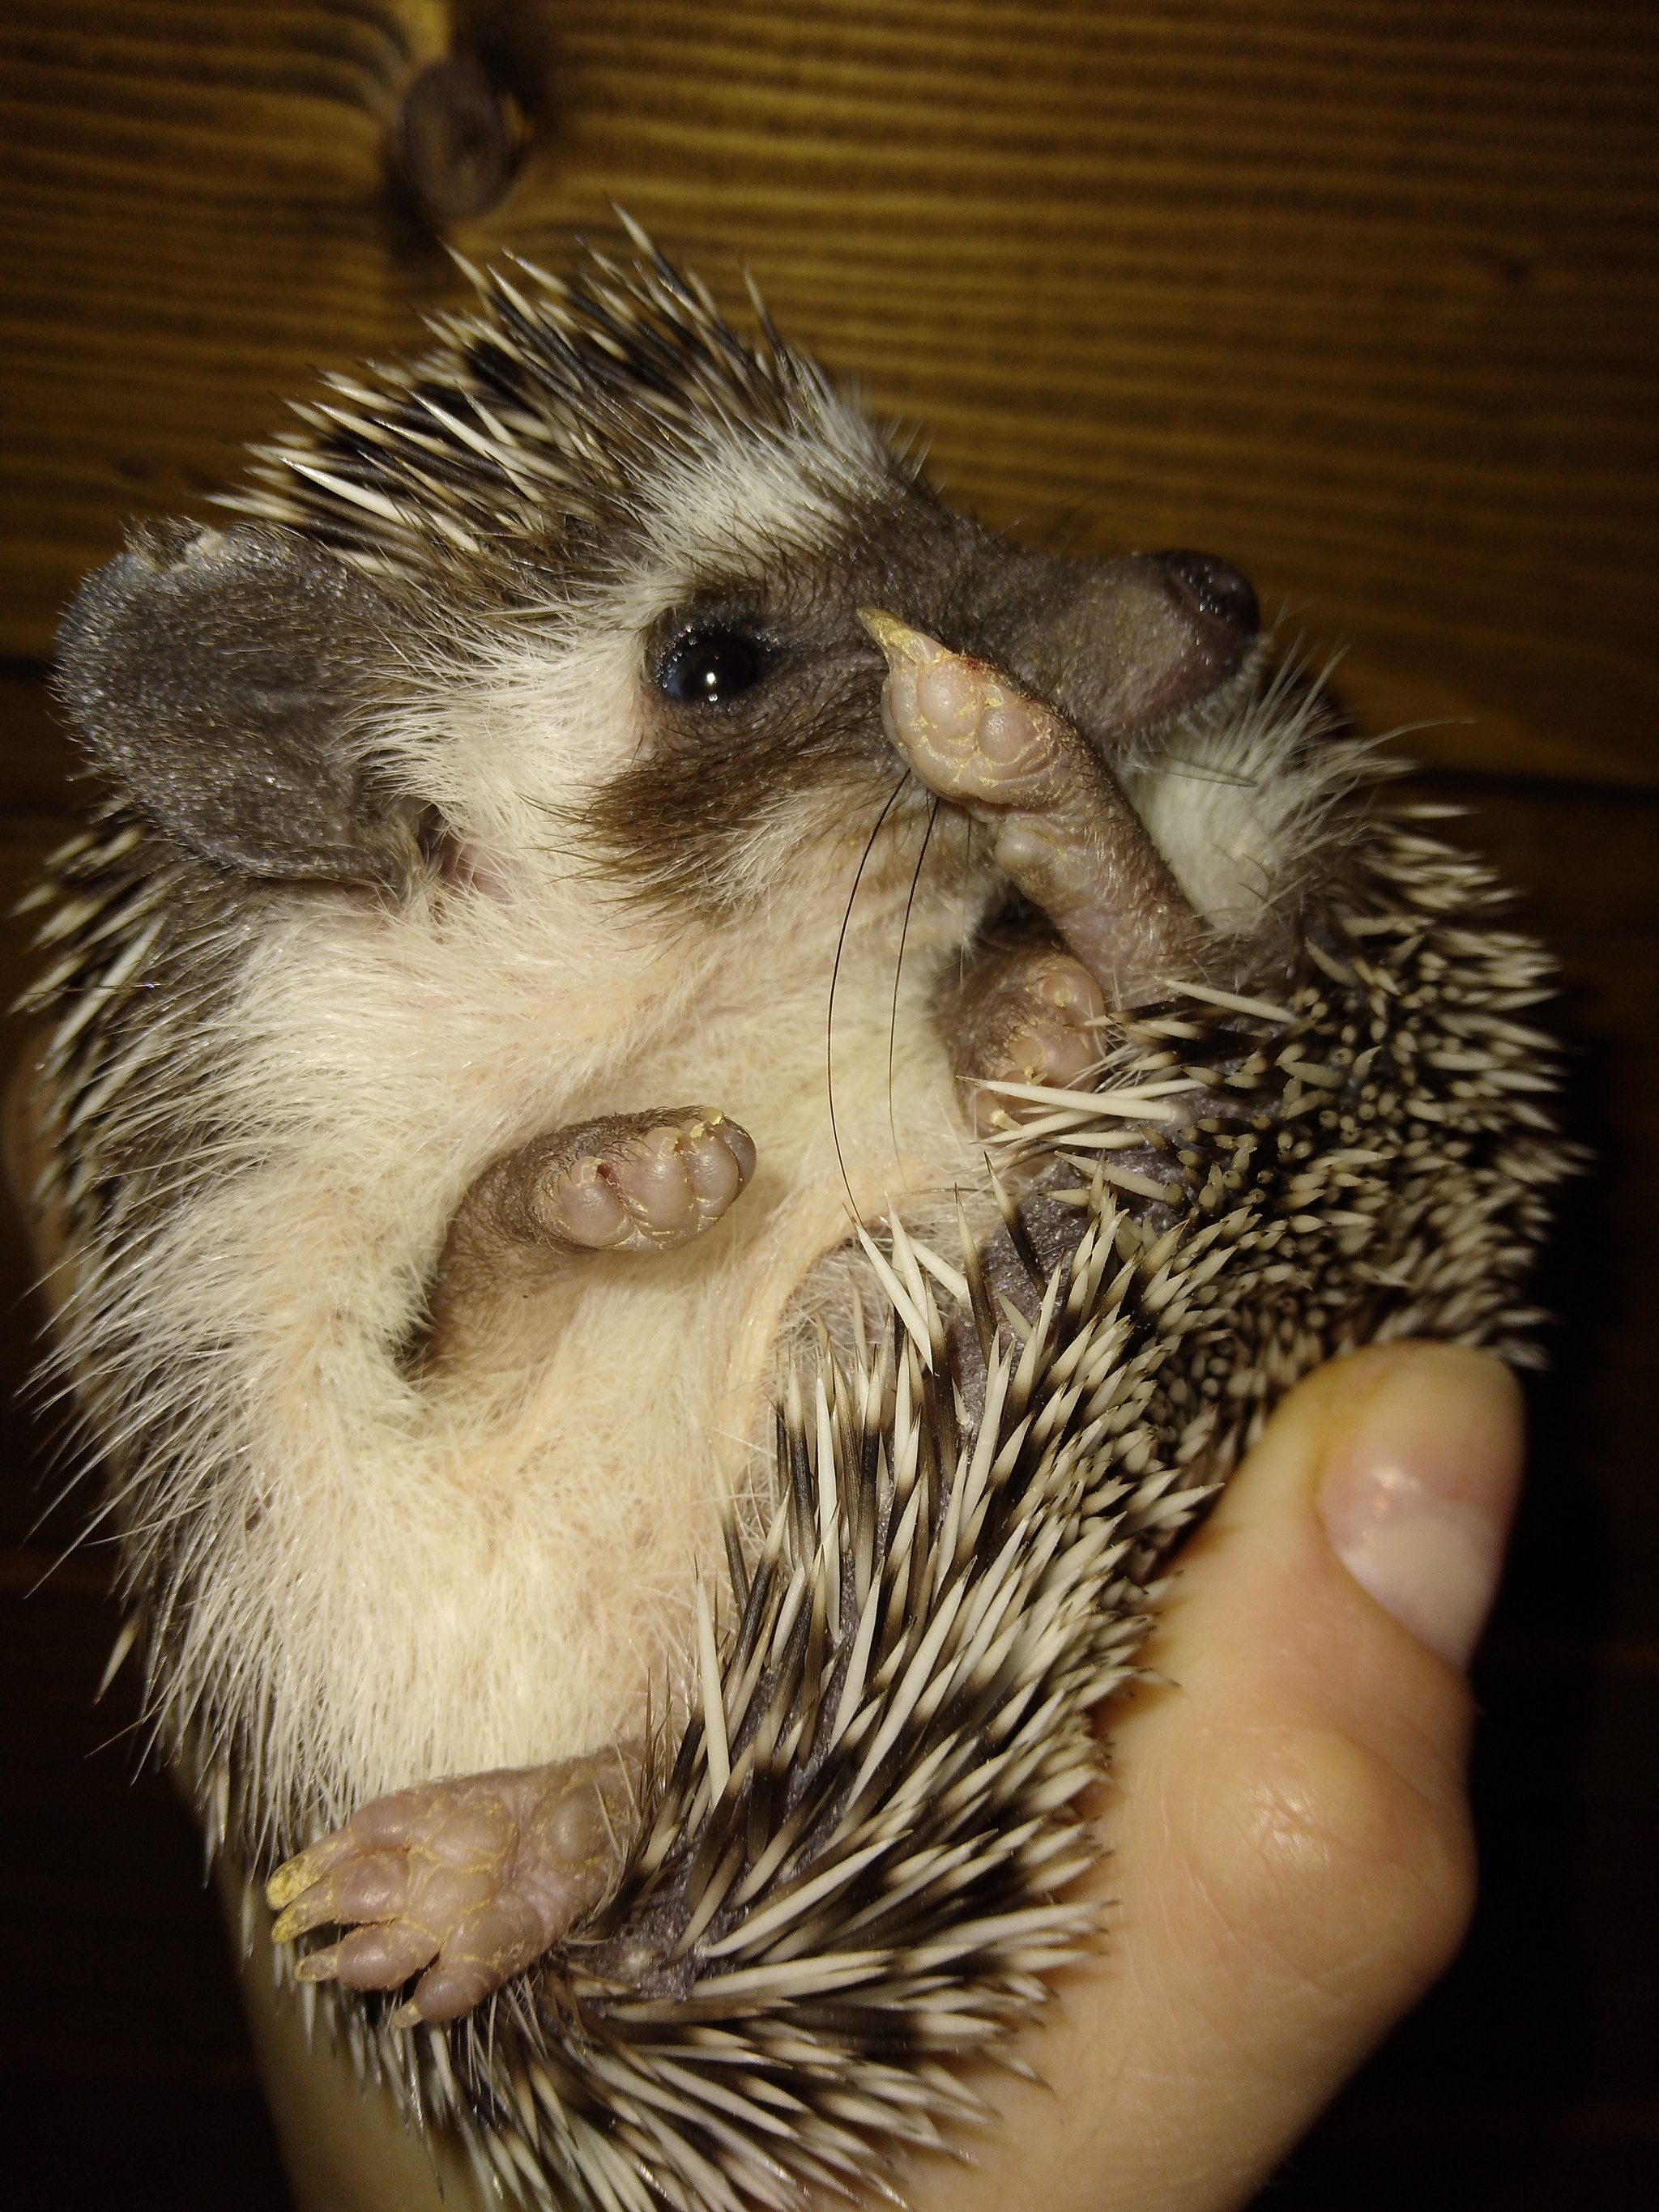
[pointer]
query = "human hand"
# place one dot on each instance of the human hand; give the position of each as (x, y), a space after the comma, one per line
(1291, 1862)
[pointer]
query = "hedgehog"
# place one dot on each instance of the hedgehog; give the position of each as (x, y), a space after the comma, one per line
(633, 1581)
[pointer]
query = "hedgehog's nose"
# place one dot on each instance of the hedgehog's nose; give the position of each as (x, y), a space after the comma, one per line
(1213, 590)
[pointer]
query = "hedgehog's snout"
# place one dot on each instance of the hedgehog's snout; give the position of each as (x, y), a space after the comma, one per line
(1217, 594)
(1116, 647)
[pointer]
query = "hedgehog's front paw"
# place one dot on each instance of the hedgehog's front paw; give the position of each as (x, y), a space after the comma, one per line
(638, 1183)
(1027, 1014)
(1060, 828)
(480, 1874)
(631, 1183)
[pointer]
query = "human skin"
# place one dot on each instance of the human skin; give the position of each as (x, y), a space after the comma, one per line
(1291, 1862)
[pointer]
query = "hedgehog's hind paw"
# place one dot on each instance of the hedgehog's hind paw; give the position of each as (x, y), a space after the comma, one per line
(471, 1879)
(1021, 1014)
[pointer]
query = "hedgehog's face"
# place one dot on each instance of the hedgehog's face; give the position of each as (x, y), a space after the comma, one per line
(757, 704)
(696, 694)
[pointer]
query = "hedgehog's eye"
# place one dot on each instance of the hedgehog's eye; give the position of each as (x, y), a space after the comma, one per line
(712, 667)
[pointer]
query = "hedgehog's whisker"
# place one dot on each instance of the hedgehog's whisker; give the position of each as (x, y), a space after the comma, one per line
(898, 970)
(1069, 524)
(834, 977)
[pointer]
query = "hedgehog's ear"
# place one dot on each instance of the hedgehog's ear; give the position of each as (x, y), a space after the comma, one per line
(217, 675)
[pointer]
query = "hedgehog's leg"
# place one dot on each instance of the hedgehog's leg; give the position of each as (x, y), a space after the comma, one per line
(1061, 829)
(1021, 1014)
(471, 1879)
(631, 1182)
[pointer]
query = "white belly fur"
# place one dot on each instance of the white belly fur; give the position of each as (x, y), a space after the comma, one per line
(398, 1577)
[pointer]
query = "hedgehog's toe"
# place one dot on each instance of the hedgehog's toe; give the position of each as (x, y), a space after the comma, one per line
(647, 1189)
(471, 1879)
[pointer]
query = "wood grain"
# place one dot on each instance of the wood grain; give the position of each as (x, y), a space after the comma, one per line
(1359, 294)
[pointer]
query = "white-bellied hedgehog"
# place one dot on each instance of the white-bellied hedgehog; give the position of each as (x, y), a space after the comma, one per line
(654, 1563)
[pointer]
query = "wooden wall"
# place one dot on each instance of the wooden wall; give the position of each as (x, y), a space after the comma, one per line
(1359, 292)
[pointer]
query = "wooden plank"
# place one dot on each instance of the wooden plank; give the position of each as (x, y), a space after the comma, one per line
(1359, 294)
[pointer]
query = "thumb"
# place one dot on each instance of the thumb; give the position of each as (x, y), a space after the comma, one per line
(1294, 1858)
(1291, 1859)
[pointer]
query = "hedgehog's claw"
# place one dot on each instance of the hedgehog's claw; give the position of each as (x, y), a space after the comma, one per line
(471, 1879)
(1061, 829)
(300, 1873)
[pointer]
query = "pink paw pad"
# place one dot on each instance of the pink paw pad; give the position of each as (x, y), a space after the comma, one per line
(654, 1190)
